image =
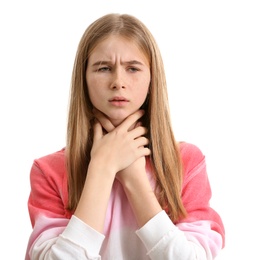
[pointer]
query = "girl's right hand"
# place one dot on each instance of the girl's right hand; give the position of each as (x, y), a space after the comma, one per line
(119, 148)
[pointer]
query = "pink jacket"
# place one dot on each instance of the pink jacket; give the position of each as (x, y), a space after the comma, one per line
(57, 234)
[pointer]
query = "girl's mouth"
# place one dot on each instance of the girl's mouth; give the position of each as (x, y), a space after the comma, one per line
(119, 101)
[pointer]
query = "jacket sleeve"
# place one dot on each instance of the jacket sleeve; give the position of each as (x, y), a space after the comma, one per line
(56, 233)
(201, 234)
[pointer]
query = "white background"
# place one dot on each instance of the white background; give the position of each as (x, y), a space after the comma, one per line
(215, 63)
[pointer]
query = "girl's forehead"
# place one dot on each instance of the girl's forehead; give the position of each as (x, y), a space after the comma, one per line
(117, 44)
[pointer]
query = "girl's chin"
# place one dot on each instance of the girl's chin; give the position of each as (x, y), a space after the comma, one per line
(116, 122)
(117, 119)
(118, 116)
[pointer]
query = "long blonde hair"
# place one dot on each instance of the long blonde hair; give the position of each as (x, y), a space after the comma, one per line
(165, 156)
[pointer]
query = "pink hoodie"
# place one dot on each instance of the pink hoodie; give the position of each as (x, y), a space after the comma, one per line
(57, 234)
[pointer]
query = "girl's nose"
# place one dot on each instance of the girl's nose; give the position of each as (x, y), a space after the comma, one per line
(117, 81)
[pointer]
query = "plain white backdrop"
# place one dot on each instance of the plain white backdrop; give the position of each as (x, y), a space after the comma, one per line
(214, 57)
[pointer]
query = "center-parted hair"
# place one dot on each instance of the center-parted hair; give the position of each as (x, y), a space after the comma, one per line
(165, 156)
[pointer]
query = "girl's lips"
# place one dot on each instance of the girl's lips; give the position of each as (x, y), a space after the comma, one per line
(118, 101)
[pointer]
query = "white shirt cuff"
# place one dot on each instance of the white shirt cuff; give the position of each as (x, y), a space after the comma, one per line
(84, 235)
(154, 230)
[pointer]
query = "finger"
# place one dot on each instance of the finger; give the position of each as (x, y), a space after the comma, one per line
(138, 132)
(139, 123)
(104, 121)
(144, 151)
(141, 141)
(131, 120)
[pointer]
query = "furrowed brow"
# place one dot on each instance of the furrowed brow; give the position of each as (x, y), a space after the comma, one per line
(98, 63)
(133, 62)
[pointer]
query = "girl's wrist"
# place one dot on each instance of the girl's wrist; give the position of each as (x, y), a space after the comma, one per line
(101, 168)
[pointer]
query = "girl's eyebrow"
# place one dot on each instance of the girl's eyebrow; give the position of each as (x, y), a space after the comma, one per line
(131, 62)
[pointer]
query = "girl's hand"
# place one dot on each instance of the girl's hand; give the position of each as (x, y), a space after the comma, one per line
(136, 167)
(121, 145)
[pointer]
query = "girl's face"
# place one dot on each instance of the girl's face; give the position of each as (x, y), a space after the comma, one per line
(118, 78)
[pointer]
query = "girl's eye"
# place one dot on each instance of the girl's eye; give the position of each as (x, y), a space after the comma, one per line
(104, 69)
(133, 69)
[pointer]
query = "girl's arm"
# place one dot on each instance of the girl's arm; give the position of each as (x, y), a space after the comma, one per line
(55, 236)
(133, 177)
(200, 235)
(110, 153)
